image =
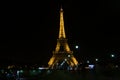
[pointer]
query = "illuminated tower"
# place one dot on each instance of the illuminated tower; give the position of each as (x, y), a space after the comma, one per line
(62, 56)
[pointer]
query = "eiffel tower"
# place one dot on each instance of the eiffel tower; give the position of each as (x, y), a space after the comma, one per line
(62, 56)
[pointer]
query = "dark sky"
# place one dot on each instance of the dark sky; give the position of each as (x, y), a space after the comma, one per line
(29, 30)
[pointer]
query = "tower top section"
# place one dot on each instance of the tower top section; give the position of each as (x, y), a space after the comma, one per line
(61, 9)
(62, 29)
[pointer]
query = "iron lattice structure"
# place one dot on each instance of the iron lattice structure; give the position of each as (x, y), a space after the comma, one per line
(62, 55)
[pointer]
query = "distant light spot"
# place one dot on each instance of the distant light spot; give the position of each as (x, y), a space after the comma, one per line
(76, 46)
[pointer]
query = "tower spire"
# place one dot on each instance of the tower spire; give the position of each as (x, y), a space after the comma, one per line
(62, 29)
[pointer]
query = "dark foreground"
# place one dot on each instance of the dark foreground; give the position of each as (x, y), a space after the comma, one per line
(62, 75)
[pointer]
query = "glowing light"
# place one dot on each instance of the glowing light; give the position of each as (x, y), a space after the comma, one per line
(62, 63)
(68, 55)
(96, 59)
(11, 66)
(41, 68)
(21, 71)
(76, 46)
(112, 55)
(88, 61)
(116, 66)
(91, 66)
(65, 59)
(18, 72)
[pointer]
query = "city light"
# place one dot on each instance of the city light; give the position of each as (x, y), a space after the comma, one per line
(68, 55)
(65, 59)
(112, 55)
(91, 66)
(88, 61)
(76, 46)
(96, 59)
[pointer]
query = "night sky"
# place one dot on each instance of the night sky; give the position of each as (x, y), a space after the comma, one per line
(29, 30)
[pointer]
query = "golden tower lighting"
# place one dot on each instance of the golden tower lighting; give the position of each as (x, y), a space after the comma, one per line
(62, 53)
